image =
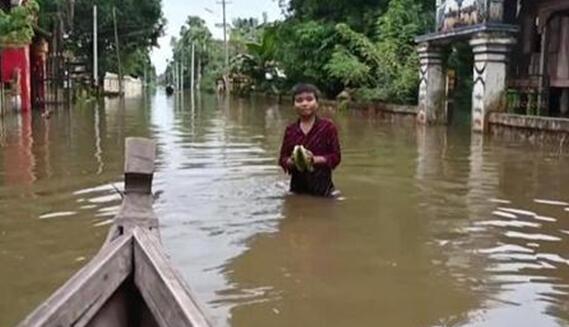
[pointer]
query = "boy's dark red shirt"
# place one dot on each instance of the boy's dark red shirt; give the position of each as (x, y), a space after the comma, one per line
(321, 140)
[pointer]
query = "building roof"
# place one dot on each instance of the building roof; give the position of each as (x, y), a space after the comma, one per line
(466, 32)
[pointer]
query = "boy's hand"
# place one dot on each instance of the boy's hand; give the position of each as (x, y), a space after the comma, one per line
(318, 160)
(289, 162)
(310, 156)
(315, 160)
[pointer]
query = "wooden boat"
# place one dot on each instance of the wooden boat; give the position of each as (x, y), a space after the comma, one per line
(130, 282)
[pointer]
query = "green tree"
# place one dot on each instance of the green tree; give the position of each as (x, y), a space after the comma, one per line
(363, 45)
(140, 24)
(206, 52)
(16, 26)
(347, 68)
(399, 63)
(366, 45)
(259, 62)
(243, 31)
(55, 11)
(358, 14)
(198, 34)
(384, 67)
(355, 60)
(304, 50)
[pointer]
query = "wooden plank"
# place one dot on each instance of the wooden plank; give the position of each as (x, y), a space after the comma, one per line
(116, 311)
(167, 295)
(79, 299)
(113, 234)
(125, 308)
(139, 165)
(140, 154)
(136, 207)
(136, 211)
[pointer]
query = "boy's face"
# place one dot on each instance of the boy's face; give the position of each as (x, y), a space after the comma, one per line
(305, 104)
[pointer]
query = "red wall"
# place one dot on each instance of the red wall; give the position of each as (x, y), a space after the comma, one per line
(11, 59)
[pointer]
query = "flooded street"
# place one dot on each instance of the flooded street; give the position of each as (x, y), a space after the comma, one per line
(435, 226)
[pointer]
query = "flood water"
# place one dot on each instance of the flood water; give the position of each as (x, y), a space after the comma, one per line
(436, 227)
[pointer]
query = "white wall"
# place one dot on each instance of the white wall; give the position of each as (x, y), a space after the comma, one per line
(132, 86)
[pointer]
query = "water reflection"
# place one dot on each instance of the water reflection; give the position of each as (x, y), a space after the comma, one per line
(520, 238)
(56, 196)
(495, 230)
(321, 268)
(19, 160)
(438, 227)
(99, 149)
(219, 184)
(349, 262)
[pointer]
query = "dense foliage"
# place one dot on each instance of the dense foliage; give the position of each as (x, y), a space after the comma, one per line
(139, 23)
(363, 47)
(208, 54)
(16, 26)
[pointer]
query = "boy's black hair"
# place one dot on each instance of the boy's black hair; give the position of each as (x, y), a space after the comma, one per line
(305, 88)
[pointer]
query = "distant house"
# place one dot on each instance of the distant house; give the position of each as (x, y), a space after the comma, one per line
(132, 87)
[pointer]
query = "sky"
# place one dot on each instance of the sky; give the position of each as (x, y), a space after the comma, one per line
(176, 12)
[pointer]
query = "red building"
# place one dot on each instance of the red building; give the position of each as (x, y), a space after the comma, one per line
(16, 66)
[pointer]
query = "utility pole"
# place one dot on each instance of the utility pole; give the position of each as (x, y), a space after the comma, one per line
(180, 76)
(199, 67)
(182, 71)
(118, 50)
(223, 2)
(175, 75)
(192, 75)
(144, 81)
(95, 49)
(226, 73)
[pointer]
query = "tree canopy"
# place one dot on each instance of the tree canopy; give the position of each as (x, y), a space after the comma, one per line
(139, 23)
(363, 46)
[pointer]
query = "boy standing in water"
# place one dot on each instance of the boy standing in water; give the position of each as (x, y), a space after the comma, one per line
(319, 136)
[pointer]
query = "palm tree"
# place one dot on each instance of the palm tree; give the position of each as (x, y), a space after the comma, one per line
(196, 32)
(258, 63)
